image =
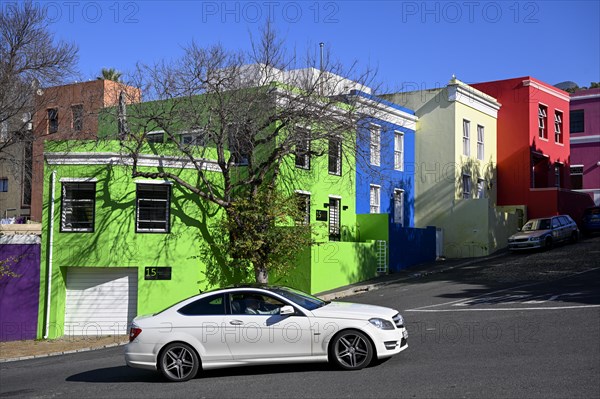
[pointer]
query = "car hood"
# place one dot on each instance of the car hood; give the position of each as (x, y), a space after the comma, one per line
(528, 234)
(348, 310)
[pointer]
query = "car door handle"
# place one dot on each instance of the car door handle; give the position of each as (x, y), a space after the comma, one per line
(236, 322)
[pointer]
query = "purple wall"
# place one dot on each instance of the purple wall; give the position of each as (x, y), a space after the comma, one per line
(584, 146)
(19, 296)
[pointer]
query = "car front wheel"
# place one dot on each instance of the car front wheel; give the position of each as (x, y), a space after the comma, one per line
(351, 350)
(179, 362)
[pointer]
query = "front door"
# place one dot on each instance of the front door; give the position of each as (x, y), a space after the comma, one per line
(255, 330)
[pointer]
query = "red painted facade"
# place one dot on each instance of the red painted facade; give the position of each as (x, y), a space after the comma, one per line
(533, 163)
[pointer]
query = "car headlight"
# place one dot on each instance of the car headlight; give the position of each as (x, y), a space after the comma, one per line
(382, 323)
(534, 238)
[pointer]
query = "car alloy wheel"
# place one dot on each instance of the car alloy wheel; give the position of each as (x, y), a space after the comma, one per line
(179, 362)
(352, 350)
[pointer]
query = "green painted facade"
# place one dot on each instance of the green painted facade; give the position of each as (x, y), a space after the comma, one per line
(114, 242)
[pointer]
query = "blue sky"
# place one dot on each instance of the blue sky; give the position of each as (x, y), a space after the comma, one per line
(415, 43)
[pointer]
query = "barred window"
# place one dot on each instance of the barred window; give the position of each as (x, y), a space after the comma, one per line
(153, 208)
(78, 207)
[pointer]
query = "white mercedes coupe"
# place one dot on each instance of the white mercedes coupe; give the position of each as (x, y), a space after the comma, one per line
(252, 325)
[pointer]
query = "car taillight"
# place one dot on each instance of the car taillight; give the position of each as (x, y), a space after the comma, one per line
(134, 332)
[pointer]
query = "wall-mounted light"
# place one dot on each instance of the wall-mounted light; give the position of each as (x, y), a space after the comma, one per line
(326, 205)
(345, 207)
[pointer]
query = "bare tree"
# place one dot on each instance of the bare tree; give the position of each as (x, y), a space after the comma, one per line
(254, 113)
(30, 59)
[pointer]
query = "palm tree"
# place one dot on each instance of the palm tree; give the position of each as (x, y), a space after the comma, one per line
(110, 74)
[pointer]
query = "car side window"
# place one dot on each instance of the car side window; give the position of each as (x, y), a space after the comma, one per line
(250, 303)
(564, 220)
(555, 223)
(208, 306)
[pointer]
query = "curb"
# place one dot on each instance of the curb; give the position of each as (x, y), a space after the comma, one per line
(43, 355)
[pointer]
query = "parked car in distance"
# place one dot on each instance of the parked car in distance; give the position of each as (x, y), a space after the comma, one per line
(257, 324)
(591, 220)
(544, 233)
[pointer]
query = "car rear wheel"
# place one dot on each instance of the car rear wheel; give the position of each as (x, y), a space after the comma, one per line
(179, 362)
(351, 350)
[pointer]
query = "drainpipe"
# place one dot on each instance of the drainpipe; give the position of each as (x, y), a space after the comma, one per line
(50, 245)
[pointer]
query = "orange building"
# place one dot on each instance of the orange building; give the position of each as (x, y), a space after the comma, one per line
(70, 112)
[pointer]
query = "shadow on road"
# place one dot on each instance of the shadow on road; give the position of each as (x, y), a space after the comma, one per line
(566, 273)
(128, 374)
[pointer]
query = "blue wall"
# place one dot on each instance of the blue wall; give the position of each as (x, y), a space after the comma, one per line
(410, 246)
(385, 175)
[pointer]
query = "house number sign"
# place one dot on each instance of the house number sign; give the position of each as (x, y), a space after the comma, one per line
(157, 273)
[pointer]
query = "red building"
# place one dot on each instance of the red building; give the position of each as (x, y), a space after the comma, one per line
(533, 148)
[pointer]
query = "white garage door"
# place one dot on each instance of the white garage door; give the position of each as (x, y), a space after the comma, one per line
(100, 301)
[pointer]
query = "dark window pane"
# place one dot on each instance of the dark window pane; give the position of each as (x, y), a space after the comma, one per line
(577, 121)
(212, 305)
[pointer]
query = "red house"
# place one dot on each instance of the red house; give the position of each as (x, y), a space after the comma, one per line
(533, 148)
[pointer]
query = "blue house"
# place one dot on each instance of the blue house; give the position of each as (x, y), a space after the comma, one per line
(385, 182)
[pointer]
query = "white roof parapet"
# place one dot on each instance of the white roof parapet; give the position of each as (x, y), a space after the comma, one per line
(386, 112)
(549, 90)
(468, 95)
(335, 84)
(114, 158)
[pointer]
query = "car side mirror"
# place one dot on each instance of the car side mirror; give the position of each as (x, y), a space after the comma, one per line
(286, 310)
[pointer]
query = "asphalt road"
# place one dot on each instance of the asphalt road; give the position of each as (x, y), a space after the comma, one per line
(521, 325)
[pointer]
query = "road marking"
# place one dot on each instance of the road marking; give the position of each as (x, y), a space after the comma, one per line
(459, 302)
(496, 309)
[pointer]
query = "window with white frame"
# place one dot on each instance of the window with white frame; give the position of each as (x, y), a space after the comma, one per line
(480, 188)
(399, 206)
(78, 206)
(576, 177)
(542, 122)
(466, 138)
(375, 194)
(334, 219)
(398, 150)
(304, 207)
(558, 127)
(153, 208)
(303, 150)
(375, 145)
(480, 142)
(466, 186)
(335, 156)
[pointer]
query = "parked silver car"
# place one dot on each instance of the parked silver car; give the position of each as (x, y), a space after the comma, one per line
(544, 233)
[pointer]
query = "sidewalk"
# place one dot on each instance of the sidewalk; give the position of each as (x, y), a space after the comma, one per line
(22, 350)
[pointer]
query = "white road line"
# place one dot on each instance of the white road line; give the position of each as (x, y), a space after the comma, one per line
(497, 309)
(421, 309)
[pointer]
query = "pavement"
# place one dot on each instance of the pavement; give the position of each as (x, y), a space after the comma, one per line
(31, 349)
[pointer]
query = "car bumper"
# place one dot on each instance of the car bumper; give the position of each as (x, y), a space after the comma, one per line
(515, 246)
(391, 342)
(140, 356)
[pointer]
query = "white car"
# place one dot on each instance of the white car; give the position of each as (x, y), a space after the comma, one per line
(544, 233)
(251, 325)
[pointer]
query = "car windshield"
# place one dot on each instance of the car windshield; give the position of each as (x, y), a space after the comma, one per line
(538, 224)
(300, 298)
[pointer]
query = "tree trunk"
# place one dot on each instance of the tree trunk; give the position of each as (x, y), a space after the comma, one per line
(262, 274)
